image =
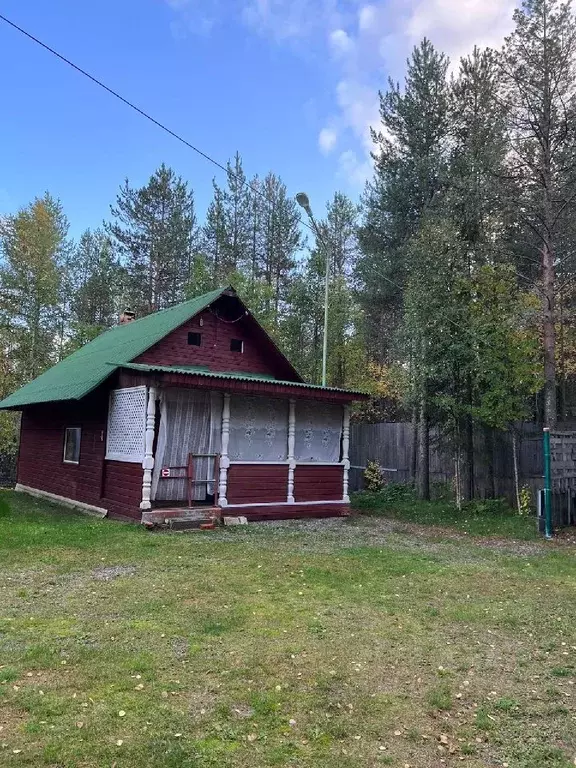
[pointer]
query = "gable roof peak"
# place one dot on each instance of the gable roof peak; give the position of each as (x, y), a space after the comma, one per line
(86, 368)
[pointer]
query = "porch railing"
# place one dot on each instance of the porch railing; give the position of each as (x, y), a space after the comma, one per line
(166, 473)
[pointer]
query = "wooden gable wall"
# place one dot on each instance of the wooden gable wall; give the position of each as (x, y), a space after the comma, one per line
(218, 325)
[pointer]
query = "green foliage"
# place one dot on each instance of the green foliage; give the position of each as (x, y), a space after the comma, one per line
(509, 370)
(33, 246)
(155, 229)
(526, 501)
(9, 428)
(387, 496)
(95, 280)
(487, 508)
(373, 479)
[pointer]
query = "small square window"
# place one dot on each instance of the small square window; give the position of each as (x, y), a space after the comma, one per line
(195, 339)
(236, 345)
(72, 437)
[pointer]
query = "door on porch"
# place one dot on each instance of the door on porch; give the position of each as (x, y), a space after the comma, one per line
(190, 423)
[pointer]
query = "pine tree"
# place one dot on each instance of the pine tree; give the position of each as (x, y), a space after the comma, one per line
(410, 175)
(279, 237)
(539, 86)
(156, 232)
(475, 202)
(98, 287)
(236, 212)
(410, 168)
(214, 241)
(228, 233)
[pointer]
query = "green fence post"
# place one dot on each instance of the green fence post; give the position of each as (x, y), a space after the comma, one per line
(547, 485)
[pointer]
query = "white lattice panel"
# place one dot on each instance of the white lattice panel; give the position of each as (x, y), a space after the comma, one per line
(126, 425)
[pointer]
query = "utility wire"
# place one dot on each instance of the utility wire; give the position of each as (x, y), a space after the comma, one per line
(141, 112)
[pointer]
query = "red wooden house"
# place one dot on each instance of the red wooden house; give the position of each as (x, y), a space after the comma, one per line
(190, 407)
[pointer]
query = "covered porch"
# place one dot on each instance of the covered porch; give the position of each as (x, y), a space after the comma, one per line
(220, 445)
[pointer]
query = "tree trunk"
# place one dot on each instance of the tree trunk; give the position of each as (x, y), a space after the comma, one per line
(457, 479)
(549, 336)
(516, 472)
(423, 475)
(414, 456)
(489, 452)
(469, 487)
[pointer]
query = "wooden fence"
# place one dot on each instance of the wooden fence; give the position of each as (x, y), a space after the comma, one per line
(391, 445)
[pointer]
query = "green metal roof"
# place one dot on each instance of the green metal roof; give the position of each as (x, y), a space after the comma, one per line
(81, 372)
(202, 371)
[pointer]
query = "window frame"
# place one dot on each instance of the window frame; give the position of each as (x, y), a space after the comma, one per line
(195, 333)
(237, 351)
(67, 430)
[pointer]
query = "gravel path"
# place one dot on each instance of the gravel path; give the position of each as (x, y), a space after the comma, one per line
(328, 535)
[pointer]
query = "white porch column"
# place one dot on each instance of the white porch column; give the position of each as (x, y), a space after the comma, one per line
(345, 451)
(148, 463)
(224, 460)
(291, 444)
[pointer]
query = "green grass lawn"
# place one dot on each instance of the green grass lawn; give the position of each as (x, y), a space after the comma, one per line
(480, 518)
(341, 644)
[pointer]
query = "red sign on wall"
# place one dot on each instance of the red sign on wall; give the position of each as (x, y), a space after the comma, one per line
(165, 471)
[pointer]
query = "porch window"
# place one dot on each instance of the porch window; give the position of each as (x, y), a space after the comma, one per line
(318, 432)
(72, 437)
(126, 425)
(258, 429)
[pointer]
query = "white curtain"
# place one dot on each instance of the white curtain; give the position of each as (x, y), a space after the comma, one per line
(258, 429)
(318, 431)
(190, 422)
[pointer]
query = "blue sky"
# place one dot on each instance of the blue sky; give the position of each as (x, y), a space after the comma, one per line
(291, 84)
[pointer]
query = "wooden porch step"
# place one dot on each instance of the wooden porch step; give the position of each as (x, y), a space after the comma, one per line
(176, 517)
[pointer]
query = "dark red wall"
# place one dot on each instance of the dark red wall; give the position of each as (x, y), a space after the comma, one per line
(123, 488)
(257, 483)
(112, 485)
(266, 483)
(259, 355)
(318, 483)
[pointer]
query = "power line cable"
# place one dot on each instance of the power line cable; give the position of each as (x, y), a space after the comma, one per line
(140, 111)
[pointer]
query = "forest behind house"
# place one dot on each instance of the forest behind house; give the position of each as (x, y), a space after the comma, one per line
(452, 281)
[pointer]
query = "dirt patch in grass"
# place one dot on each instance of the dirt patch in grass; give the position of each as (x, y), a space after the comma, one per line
(12, 721)
(111, 572)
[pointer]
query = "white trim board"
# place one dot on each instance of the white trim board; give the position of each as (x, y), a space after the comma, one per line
(286, 462)
(81, 506)
(287, 504)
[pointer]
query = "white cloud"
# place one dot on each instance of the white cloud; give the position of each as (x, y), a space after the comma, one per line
(456, 26)
(354, 169)
(290, 19)
(341, 42)
(191, 19)
(369, 40)
(367, 18)
(327, 139)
